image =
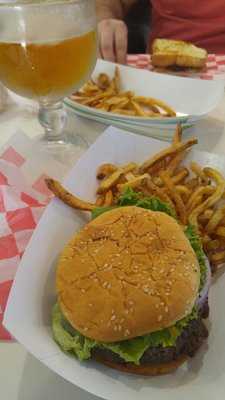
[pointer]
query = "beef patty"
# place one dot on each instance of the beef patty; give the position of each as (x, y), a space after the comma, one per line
(187, 344)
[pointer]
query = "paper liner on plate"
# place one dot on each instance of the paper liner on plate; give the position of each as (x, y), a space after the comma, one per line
(28, 314)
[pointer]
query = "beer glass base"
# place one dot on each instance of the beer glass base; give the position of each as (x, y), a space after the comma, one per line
(66, 149)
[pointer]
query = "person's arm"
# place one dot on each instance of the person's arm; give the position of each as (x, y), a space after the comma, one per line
(112, 31)
(117, 9)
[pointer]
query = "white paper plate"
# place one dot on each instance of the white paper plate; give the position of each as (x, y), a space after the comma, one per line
(31, 299)
(191, 98)
(131, 119)
(157, 131)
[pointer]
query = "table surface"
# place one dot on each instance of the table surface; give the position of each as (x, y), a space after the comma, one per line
(22, 377)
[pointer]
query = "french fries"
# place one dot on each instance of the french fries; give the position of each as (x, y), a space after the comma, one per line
(178, 134)
(197, 170)
(218, 258)
(107, 94)
(100, 200)
(175, 196)
(211, 200)
(184, 191)
(199, 192)
(221, 231)
(213, 244)
(105, 169)
(67, 197)
(108, 201)
(103, 81)
(107, 183)
(195, 193)
(158, 192)
(169, 152)
(135, 182)
(137, 108)
(215, 219)
(181, 175)
(156, 103)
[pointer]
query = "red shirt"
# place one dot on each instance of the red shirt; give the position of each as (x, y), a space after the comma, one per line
(201, 22)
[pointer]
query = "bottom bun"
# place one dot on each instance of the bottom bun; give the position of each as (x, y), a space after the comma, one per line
(147, 369)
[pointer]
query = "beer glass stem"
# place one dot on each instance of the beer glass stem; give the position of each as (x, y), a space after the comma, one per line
(53, 119)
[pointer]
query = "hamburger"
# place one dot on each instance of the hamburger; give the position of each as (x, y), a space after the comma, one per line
(132, 290)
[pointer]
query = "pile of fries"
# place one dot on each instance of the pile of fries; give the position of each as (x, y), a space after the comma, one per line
(196, 193)
(106, 94)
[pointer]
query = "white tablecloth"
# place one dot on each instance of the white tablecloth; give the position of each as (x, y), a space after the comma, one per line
(21, 376)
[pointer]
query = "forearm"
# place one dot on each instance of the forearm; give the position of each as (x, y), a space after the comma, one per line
(107, 9)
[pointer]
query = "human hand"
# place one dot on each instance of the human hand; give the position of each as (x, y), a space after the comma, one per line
(112, 35)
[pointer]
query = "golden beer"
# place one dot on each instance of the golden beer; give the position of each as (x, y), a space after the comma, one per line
(50, 69)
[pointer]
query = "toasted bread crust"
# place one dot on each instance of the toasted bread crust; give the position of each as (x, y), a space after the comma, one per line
(168, 53)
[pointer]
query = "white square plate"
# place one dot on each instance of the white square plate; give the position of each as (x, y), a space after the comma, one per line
(29, 307)
(192, 99)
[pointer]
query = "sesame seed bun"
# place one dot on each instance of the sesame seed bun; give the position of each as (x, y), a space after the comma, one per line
(146, 370)
(127, 273)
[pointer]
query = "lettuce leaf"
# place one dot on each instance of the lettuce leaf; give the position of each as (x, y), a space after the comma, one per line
(100, 210)
(132, 350)
(131, 198)
(68, 339)
(196, 244)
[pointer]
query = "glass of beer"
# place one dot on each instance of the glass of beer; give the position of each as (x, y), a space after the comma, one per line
(48, 51)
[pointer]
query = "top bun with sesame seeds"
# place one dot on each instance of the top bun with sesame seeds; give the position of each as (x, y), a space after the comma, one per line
(127, 273)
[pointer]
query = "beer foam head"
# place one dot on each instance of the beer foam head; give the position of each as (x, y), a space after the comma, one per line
(46, 21)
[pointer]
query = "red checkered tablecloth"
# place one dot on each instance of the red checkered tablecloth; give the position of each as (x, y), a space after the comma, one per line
(215, 68)
(23, 198)
(20, 210)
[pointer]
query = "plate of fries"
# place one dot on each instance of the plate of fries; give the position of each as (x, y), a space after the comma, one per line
(194, 189)
(137, 97)
(193, 183)
(158, 131)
